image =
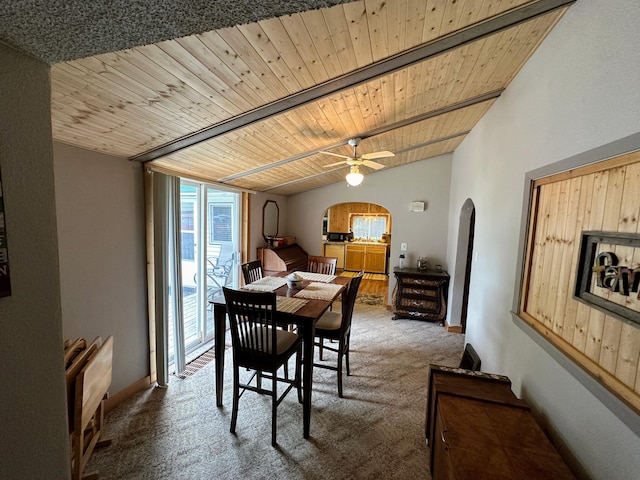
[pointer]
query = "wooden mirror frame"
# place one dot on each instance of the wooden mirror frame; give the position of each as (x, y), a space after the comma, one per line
(268, 219)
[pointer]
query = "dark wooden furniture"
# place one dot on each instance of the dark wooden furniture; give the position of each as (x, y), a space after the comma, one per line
(470, 359)
(260, 346)
(282, 259)
(251, 271)
(319, 264)
(337, 327)
(305, 319)
(478, 429)
(420, 294)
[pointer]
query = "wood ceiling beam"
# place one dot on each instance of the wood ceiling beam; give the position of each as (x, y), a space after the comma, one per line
(378, 69)
(404, 150)
(371, 133)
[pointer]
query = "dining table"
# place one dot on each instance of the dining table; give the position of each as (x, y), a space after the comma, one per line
(301, 307)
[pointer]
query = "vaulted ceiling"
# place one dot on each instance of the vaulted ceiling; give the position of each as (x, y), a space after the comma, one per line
(253, 105)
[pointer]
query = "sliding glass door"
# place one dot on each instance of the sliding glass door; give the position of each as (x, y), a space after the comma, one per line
(209, 234)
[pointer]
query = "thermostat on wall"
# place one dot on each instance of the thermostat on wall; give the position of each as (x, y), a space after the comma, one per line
(417, 206)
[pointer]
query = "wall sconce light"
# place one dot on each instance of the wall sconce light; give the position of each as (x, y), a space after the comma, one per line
(354, 177)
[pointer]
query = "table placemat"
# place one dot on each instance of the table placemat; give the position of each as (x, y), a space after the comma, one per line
(319, 291)
(266, 284)
(317, 277)
(289, 304)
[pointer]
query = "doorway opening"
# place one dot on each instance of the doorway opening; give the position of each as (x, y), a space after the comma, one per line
(209, 236)
(462, 272)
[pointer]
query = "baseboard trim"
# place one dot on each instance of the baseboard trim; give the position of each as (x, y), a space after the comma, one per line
(115, 400)
(453, 328)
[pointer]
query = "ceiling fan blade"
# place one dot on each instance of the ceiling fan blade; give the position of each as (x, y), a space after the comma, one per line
(334, 164)
(374, 155)
(334, 154)
(374, 165)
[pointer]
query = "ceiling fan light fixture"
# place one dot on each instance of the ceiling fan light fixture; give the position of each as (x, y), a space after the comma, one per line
(354, 177)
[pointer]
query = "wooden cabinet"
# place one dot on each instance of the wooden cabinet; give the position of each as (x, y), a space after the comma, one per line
(370, 258)
(339, 216)
(282, 259)
(375, 259)
(478, 429)
(335, 250)
(420, 294)
(354, 258)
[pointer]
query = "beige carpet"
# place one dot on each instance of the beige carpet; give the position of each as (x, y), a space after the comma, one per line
(375, 432)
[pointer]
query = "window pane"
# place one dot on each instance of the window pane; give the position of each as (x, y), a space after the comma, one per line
(188, 246)
(220, 223)
(187, 208)
(368, 227)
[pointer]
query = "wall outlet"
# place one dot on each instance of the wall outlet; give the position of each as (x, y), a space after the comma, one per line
(403, 247)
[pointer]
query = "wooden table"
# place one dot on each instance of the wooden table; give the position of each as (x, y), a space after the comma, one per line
(305, 319)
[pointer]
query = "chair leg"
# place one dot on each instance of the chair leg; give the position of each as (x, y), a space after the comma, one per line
(340, 374)
(346, 361)
(346, 353)
(274, 407)
(298, 373)
(320, 348)
(236, 398)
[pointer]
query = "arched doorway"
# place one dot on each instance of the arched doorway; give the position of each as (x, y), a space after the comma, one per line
(358, 234)
(462, 270)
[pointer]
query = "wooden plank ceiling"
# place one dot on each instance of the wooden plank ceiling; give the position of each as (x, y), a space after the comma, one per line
(252, 105)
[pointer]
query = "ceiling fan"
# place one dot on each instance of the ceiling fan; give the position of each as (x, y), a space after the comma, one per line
(354, 177)
(362, 160)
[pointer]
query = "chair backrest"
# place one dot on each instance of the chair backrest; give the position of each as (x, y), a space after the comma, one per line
(318, 264)
(252, 271)
(253, 327)
(470, 358)
(348, 305)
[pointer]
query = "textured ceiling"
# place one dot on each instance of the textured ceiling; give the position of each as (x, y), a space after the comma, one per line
(60, 30)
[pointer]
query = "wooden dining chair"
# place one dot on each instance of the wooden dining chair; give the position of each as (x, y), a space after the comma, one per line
(337, 326)
(258, 345)
(251, 271)
(318, 264)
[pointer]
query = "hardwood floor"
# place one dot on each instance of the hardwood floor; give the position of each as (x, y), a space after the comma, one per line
(372, 284)
(374, 287)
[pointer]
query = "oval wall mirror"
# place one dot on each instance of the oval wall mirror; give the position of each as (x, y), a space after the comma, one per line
(270, 219)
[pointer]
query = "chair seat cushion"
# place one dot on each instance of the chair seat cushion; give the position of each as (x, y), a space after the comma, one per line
(329, 321)
(284, 339)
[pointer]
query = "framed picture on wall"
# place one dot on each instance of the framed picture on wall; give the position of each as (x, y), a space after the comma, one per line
(602, 281)
(5, 279)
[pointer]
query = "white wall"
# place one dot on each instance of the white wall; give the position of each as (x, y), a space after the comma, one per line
(579, 91)
(34, 442)
(424, 232)
(101, 240)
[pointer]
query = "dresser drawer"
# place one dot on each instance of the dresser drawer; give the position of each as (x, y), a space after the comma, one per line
(420, 294)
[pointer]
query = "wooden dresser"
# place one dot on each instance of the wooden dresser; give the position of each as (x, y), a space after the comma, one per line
(420, 294)
(478, 429)
(282, 259)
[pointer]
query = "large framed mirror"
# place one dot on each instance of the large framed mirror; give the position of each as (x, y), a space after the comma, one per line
(270, 219)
